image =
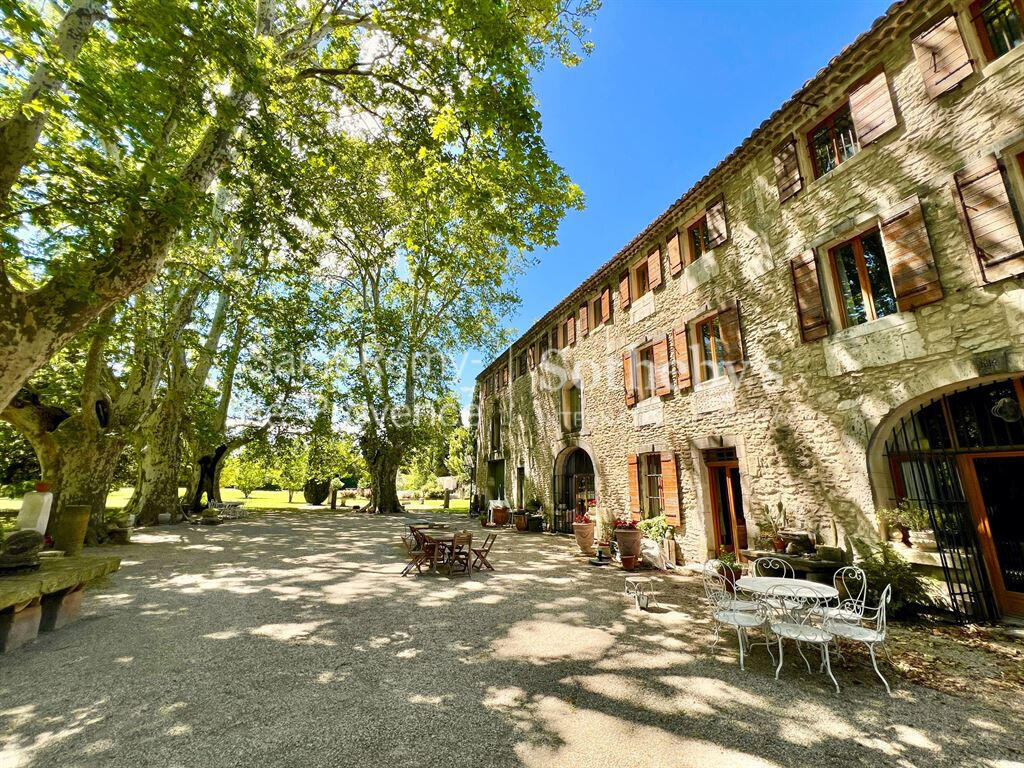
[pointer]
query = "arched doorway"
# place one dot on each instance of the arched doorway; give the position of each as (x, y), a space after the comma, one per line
(574, 486)
(960, 456)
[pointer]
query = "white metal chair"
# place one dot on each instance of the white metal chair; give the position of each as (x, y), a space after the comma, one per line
(852, 585)
(773, 566)
(729, 574)
(792, 613)
(868, 627)
(719, 598)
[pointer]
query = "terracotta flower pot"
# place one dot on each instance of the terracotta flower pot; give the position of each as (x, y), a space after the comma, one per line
(629, 541)
(584, 537)
(500, 515)
(628, 562)
(521, 519)
(779, 544)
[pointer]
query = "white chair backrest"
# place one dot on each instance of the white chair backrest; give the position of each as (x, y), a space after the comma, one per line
(716, 589)
(773, 566)
(851, 583)
(794, 605)
(883, 600)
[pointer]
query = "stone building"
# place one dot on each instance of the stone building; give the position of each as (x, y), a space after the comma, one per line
(832, 318)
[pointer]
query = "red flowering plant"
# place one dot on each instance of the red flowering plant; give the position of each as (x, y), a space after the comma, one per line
(625, 524)
(581, 517)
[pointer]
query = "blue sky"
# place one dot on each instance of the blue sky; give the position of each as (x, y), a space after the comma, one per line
(671, 88)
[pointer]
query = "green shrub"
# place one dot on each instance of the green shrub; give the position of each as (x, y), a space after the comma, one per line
(654, 528)
(882, 565)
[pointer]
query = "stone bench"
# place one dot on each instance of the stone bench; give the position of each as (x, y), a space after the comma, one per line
(48, 598)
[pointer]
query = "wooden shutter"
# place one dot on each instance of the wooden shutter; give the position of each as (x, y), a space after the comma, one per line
(718, 227)
(584, 319)
(682, 349)
(624, 295)
(787, 170)
(942, 57)
(990, 219)
(670, 489)
(627, 379)
(504, 376)
(732, 337)
(675, 255)
(531, 357)
(634, 483)
(554, 339)
(810, 308)
(570, 330)
(662, 377)
(654, 267)
(606, 304)
(915, 280)
(872, 110)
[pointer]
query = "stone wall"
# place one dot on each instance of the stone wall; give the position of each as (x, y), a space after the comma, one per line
(803, 417)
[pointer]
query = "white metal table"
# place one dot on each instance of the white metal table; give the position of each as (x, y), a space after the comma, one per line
(759, 585)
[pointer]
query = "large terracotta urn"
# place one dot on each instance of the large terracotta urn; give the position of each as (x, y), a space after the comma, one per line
(629, 541)
(500, 516)
(584, 537)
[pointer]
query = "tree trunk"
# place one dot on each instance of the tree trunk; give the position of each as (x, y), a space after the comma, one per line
(209, 467)
(383, 459)
(159, 464)
(88, 462)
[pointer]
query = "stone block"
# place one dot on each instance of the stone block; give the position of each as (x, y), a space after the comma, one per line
(60, 609)
(19, 626)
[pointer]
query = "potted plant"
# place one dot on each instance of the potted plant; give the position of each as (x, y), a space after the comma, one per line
(520, 519)
(500, 516)
(628, 537)
(910, 523)
(583, 529)
(729, 573)
(771, 524)
(657, 530)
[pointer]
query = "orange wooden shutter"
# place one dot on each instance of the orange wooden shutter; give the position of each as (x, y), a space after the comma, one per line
(654, 267)
(531, 357)
(662, 377)
(915, 280)
(682, 350)
(570, 330)
(504, 376)
(718, 227)
(584, 319)
(732, 337)
(624, 295)
(670, 489)
(627, 379)
(634, 484)
(606, 304)
(675, 256)
(787, 171)
(942, 57)
(990, 219)
(810, 308)
(872, 110)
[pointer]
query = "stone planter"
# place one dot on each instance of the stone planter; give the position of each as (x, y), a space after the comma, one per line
(629, 542)
(69, 531)
(584, 537)
(164, 518)
(923, 540)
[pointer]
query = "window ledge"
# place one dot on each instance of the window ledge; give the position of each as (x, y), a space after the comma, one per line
(823, 179)
(887, 341)
(717, 394)
(898, 320)
(994, 67)
(641, 308)
(649, 412)
(700, 271)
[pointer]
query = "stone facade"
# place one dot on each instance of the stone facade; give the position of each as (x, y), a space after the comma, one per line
(806, 419)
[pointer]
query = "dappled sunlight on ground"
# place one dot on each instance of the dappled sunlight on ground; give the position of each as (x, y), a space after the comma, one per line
(294, 641)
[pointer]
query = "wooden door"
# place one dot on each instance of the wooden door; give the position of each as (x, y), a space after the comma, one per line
(727, 507)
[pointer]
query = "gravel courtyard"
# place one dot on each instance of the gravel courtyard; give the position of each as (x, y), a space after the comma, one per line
(291, 641)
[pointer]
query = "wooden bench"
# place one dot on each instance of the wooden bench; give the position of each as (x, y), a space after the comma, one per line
(48, 598)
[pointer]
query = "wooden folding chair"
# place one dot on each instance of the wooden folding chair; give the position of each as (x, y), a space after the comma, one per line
(421, 552)
(459, 553)
(480, 555)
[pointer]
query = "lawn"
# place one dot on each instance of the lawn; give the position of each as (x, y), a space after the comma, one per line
(259, 500)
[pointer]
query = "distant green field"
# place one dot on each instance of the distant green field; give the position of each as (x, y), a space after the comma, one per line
(260, 500)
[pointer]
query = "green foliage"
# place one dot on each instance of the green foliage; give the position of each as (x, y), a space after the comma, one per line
(882, 565)
(18, 462)
(654, 528)
(907, 515)
(772, 521)
(249, 473)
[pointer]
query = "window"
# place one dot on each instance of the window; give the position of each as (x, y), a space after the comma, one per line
(496, 428)
(521, 364)
(554, 338)
(862, 279)
(645, 372)
(999, 25)
(572, 407)
(833, 141)
(542, 348)
(595, 312)
(698, 238)
(650, 497)
(710, 348)
(641, 279)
